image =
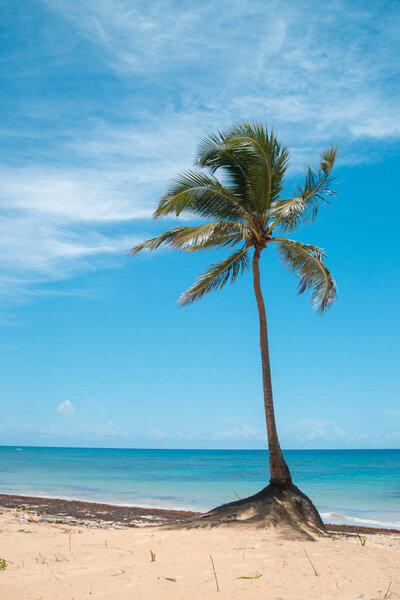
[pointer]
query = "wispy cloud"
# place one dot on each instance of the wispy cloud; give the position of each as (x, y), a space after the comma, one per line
(53, 224)
(326, 431)
(88, 431)
(242, 432)
(314, 429)
(179, 70)
(393, 413)
(292, 63)
(321, 431)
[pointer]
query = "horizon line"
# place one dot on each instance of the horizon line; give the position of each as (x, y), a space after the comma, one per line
(195, 449)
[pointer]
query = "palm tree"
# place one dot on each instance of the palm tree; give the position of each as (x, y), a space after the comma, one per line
(246, 212)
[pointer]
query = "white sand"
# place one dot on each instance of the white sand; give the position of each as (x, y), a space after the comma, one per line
(51, 564)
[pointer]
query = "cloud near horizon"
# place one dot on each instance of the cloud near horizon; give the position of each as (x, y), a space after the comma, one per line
(66, 408)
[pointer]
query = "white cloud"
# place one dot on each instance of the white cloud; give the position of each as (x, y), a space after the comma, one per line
(316, 429)
(83, 430)
(322, 72)
(375, 439)
(318, 75)
(54, 224)
(157, 434)
(324, 430)
(392, 413)
(243, 432)
(73, 195)
(66, 408)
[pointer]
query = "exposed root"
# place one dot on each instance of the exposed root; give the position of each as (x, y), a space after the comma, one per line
(273, 506)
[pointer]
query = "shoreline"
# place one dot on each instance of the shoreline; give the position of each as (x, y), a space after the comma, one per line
(81, 510)
(71, 511)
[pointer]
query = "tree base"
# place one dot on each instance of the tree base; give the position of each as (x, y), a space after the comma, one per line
(272, 507)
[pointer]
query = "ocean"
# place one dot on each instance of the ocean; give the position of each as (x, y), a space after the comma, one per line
(347, 486)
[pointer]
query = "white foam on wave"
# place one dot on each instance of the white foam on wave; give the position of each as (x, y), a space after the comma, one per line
(339, 519)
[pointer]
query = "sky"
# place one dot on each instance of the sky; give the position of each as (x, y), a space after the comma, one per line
(102, 103)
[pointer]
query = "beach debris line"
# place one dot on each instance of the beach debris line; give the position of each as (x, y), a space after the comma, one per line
(28, 517)
(215, 574)
(55, 519)
(80, 513)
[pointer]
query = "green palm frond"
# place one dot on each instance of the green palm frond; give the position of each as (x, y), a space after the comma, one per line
(214, 154)
(306, 261)
(217, 276)
(249, 151)
(268, 159)
(292, 212)
(220, 234)
(202, 195)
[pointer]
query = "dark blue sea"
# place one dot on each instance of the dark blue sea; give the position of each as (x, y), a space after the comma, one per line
(347, 486)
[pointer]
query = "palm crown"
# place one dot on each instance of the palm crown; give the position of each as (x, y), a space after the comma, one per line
(245, 208)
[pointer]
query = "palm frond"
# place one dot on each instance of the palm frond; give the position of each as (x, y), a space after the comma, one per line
(248, 151)
(291, 212)
(214, 154)
(202, 195)
(267, 159)
(220, 234)
(217, 276)
(306, 262)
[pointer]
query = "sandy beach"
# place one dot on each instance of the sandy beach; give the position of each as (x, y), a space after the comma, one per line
(93, 554)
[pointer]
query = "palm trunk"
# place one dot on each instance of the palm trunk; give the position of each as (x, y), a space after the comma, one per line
(279, 471)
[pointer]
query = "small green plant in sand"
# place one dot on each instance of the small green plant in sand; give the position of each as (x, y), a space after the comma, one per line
(24, 531)
(152, 556)
(64, 530)
(256, 575)
(3, 564)
(362, 540)
(333, 538)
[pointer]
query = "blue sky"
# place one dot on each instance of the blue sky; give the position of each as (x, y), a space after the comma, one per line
(102, 103)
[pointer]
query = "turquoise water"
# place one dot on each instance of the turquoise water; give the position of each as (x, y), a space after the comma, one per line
(348, 486)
